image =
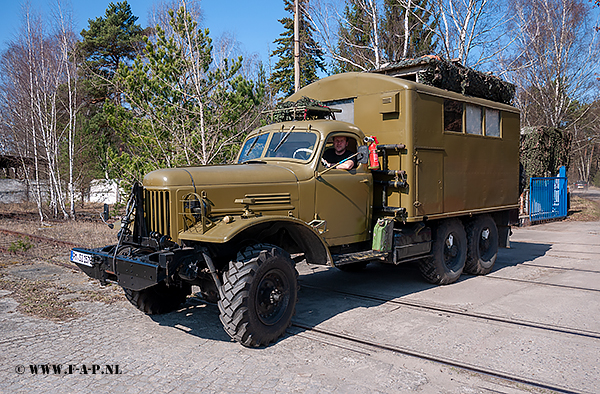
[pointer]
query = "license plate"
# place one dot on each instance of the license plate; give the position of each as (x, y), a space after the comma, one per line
(81, 258)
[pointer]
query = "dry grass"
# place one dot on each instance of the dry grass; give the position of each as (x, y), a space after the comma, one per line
(51, 301)
(90, 232)
(583, 210)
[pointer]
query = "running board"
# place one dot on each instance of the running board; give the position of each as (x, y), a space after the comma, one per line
(357, 257)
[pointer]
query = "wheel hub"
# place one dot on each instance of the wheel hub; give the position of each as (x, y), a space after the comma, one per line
(451, 251)
(272, 297)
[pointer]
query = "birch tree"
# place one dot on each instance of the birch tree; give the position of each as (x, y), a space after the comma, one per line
(64, 27)
(408, 29)
(471, 31)
(38, 107)
(554, 61)
(359, 44)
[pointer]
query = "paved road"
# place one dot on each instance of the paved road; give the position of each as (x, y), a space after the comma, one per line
(592, 193)
(188, 351)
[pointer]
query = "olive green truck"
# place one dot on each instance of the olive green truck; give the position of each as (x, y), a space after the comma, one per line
(443, 196)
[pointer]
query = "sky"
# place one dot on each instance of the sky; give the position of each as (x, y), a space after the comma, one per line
(254, 24)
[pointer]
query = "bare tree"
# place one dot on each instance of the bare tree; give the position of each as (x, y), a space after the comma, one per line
(350, 38)
(470, 30)
(36, 69)
(64, 27)
(554, 59)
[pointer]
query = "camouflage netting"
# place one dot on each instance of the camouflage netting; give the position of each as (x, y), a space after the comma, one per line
(543, 150)
(444, 74)
(303, 109)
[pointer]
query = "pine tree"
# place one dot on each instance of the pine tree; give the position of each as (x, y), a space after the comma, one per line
(109, 40)
(312, 58)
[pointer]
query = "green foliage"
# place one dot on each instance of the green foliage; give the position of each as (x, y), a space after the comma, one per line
(358, 44)
(543, 150)
(179, 109)
(109, 41)
(20, 245)
(311, 55)
(596, 180)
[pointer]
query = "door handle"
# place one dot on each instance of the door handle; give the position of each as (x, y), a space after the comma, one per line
(366, 180)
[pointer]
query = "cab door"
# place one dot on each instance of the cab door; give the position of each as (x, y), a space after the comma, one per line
(343, 201)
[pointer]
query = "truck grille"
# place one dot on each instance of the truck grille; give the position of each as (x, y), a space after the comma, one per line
(156, 210)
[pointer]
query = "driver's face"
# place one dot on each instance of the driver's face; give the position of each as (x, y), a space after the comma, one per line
(340, 144)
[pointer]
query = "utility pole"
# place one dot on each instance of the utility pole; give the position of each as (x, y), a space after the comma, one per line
(296, 46)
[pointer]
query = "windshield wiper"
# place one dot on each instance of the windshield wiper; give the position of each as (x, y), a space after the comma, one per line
(284, 138)
(253, 144)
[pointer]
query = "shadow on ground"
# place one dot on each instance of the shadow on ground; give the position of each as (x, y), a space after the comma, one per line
(327, 293)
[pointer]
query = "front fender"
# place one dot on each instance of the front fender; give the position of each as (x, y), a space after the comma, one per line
(278, 230)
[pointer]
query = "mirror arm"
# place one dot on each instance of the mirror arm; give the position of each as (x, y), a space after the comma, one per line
(336, 164)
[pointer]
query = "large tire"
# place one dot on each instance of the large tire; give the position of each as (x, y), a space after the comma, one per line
(482, 245)
(159, 298)
(259, 295)
(448, 254)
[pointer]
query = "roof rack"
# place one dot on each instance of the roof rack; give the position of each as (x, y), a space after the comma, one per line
(303, 109)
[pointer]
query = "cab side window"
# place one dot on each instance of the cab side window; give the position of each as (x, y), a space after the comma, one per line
(338, 148)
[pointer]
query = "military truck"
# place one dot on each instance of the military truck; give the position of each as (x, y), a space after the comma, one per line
(442, 196)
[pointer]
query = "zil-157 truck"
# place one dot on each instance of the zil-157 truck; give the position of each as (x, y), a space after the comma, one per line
(443, 196)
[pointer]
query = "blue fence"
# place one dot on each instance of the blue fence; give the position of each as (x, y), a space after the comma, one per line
(547, 198)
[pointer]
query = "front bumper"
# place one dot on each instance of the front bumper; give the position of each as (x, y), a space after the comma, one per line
(135, 273)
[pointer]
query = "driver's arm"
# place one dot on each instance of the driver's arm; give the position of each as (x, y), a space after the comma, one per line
(347, 165)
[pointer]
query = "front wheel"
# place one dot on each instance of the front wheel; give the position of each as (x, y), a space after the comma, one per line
(159, 298)
(259, 295)
(448, 254)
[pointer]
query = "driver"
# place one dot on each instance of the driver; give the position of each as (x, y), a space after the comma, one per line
(339, 152)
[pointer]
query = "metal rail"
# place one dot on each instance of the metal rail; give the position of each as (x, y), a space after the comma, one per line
(40, 238)
(482, 316)
(438, 359)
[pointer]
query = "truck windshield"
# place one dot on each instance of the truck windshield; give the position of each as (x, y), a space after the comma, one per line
(253, 148)
(284, 144)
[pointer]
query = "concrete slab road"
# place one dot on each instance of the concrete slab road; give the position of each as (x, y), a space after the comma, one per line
(532, 325)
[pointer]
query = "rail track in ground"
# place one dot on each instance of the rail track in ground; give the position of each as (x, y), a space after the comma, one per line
(349, 341)
(40, 238)
(362, 345)
(455, 311)
(46, 248)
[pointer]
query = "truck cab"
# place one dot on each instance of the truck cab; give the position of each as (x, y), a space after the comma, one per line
(336, 202)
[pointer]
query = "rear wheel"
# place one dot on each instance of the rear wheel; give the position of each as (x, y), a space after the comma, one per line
(448, 254)
(482, 250)
(259, 295)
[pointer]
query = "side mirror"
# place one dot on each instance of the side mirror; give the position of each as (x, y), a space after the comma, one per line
(363, 154)
(105, 213)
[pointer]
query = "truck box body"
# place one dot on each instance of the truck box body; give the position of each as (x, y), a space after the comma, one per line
(449, 173)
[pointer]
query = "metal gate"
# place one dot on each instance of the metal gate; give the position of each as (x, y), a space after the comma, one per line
(547, 198)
